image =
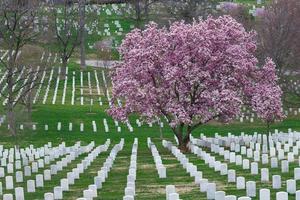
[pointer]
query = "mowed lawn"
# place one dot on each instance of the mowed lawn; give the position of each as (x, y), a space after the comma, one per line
(148, 185)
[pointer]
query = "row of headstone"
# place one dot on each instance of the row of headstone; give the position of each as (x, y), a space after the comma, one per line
(131, 177)
(30, 154)
(161, 169)
(71, 127)
(205, 186)
(73, 88)
(18, 78)
(240, 181)
(97, 83)
(73, 152)
(171, 193)
(56, 86)
(48, 86)
(42, 84)
(191, 169)
(74, 174)
(102, 174)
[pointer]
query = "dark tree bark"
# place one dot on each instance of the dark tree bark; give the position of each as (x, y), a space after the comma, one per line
(67, 35)
(82, 33)
(188, 10)
(279, 35)
(17, 22)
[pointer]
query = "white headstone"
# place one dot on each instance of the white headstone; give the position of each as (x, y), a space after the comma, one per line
(19, 176)
(291, 186)
(231, 176)
(276, 181)
(64, 184)
(244, 198)
(274, 162)
(39, 178)
(30, 186)
(240, 183)
(58, 193)
(47, 175)
(264, 175)
(264, 194)
(203, 185)
(230, 197)
(8, 197)
(284, 166)
(19, 193)
(297, 195)
(254, 168)
(251, 188)
(220, 195)
(297, 173)
(211, 190)
(9, 183)
(170, 189)
(128, 198)
(88, 194)
(27, 171)
(281, 196)
(174, 196)
(246, 164)
(48, 196)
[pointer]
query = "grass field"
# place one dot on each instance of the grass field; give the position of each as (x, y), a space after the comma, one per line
(148, 184)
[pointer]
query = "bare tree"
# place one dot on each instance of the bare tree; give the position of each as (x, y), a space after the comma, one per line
(82, 32)
(279, 35)
(141, 9)
(188, 10)
(241, 14)
(17, 22)
(65, 24)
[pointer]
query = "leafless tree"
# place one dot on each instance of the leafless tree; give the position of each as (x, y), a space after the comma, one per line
(188, 10)
(17, 22)
(82, 4)
(67, 31)
(241, 14)
(279, 35)
(141, 10)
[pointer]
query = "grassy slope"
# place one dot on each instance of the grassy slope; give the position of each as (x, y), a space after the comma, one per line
(148, 186)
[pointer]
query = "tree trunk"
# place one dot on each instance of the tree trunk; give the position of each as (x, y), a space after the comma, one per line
(268, 127)
(147, 10)
(138, 13)
(183, 142)
(11, 120)
(160, 130)
(64, 68)
(29, 104)
(10, 95)
(82, 33)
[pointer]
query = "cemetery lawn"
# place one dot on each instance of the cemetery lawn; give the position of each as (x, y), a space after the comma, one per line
(148, 185)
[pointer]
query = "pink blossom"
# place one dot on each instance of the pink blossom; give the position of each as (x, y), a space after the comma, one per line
(193, 73)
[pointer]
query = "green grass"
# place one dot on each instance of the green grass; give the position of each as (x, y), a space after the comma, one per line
(148, 185)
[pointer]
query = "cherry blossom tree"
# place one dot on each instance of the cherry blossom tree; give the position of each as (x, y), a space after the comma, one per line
(189, 74)
(267, 99)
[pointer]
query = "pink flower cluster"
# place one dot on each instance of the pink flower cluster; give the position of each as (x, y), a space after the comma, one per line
(266, 101)
(193, 73)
